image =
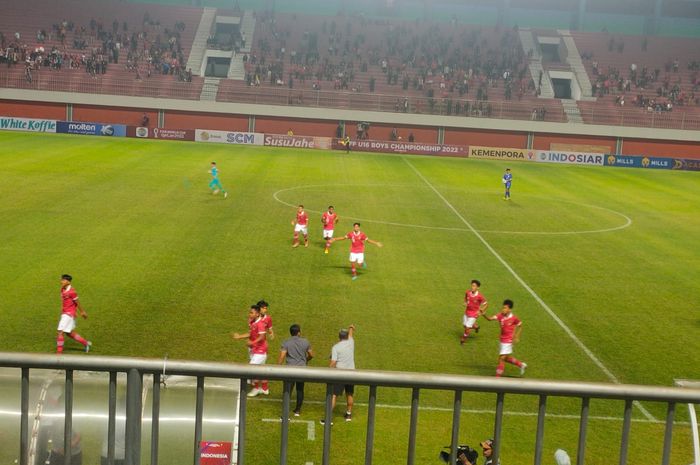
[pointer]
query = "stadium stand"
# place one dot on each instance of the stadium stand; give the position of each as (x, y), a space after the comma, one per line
(637, 79)
(98, 47)
(345, 61)
(403, 66)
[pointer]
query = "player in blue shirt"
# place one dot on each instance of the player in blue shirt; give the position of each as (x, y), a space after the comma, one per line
(507, 179)
(215, 184)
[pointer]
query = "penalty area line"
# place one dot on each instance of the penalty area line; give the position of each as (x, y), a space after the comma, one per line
(522, 282)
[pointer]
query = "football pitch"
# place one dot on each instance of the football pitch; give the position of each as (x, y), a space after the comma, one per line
(603, 265)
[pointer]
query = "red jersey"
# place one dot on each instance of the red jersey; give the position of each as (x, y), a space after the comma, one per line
(508, 324)
(329, 220)
(357, 241)
(267, 319)
(70, 299)
(474, 302)
(302, 218)
(257, 327)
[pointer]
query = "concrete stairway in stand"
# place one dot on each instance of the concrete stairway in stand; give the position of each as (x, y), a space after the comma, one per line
(535, 63)
(209, 89)
(573, 58)
(237, 68)
(573, 115)
(199, 46)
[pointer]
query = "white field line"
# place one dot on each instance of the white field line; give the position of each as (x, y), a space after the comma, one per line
(627, 223)
(513, 413)
(310, 426)
(539, 300)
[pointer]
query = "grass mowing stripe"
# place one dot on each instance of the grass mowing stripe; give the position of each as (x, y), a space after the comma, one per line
(542, 303)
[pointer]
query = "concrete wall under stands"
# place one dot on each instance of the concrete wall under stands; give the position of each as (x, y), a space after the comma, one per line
(180, 114)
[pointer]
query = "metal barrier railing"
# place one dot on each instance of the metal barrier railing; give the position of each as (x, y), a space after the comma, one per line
(136, 368)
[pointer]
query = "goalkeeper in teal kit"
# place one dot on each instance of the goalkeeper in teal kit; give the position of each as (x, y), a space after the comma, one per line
(215, 184)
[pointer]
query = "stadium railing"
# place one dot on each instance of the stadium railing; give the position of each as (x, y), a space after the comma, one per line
(136, 368)
(79, 81)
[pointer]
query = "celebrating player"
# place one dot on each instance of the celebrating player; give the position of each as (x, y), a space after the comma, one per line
(511, 327)
(215, 184)
(67, 323)
(475, 304)
(301, 224)
(266, 318)
(357, 247)
(507, 180)
(329, 220)
(257, 347)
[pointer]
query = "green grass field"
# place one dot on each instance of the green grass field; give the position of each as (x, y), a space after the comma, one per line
(163, 267)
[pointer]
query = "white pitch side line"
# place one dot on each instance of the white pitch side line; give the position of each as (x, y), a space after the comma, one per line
(310, 426)
(542, 303)
(513, 413)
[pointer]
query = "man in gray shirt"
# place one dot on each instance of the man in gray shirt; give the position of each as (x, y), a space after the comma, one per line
(343, 357)
(297, 352)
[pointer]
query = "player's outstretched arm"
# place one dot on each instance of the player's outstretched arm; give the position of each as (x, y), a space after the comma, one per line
(351, 331)
(378, 244)
(336, 239)
(490, 318)
(239, 335)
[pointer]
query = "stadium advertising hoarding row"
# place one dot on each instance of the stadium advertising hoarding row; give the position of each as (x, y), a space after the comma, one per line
(299, 142)
(584, 158)
(546, 156)
(659, 163)
(413, 148)
(91, 129)
(228, 137)
(10, 123)
(496, 153)
(160, 133)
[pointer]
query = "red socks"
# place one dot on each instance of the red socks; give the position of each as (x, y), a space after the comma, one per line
(514, 361)
(500, 369)
(59, 343)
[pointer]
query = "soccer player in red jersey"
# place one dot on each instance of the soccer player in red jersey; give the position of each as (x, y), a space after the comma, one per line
(301, 225)
(67, 323)
(266, 318)
(329, 220)
(475, 304)
(257, 347)
(511, 327)
(357, 247)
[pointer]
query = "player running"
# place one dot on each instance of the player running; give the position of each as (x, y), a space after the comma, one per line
(301, 225)
(511, 327)
(357, 247)
(475, 304)
(215, 184)
(329, 220)
(507, 180)
(257, 347)
(67, 323)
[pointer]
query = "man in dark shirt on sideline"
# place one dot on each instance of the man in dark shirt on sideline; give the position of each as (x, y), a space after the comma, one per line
(296, 351)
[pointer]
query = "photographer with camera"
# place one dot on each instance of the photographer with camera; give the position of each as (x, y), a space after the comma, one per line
(468, 456)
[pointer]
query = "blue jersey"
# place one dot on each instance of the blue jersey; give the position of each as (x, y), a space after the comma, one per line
(507, 178)
(214, 172)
